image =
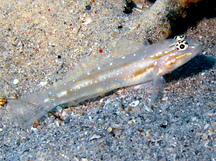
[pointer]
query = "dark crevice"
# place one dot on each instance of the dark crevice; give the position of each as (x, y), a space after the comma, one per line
(194, 14)
(130, 5)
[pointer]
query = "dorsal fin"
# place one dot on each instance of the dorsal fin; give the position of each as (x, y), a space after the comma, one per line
(117, 49)
(123, 47)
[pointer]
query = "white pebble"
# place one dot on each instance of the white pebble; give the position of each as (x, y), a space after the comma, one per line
(15, 81)
(134, 103)
(95, 137)
(206, 126)
(43, 83)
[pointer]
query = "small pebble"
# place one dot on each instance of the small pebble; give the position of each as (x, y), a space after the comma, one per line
(109, 129)
(84, 159)
(88, 8)
(206, 126)
(43, 83)
(134, 103)
(95, 137)
(15, 81)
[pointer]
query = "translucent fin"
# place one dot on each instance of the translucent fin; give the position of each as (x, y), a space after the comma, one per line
(123, 47)
(28, 109)
(144, 85)
(158, 86)
(117, 48)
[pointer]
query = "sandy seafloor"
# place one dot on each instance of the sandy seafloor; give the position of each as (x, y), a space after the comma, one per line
(42, 40)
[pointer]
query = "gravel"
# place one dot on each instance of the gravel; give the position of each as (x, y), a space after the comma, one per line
(41, 40)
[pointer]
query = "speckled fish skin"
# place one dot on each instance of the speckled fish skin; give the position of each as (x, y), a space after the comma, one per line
(146, 64)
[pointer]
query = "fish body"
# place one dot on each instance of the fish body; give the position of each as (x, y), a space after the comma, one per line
(146, 64)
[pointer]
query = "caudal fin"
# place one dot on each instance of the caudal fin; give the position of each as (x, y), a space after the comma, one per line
(28, 109)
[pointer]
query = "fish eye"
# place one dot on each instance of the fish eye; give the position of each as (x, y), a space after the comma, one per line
(181, 45)
(180, 38)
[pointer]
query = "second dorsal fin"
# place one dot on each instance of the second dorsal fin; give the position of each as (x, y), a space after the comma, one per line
(117, 49)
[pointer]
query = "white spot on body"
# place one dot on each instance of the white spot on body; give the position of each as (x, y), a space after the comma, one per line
(46, 100)
(158, 54)
(130, 76)
(62, 94)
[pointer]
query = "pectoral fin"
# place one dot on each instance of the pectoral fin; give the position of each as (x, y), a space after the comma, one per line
(158, 85)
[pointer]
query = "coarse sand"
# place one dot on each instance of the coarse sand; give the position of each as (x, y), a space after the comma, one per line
(40, 40)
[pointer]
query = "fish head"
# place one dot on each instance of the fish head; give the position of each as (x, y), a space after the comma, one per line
(179, 52)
